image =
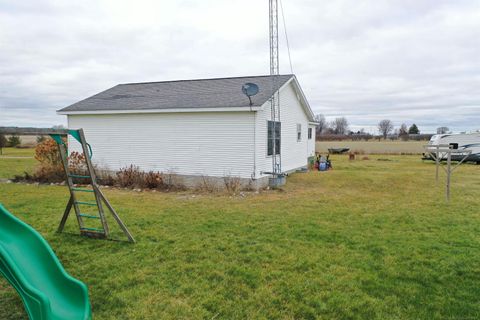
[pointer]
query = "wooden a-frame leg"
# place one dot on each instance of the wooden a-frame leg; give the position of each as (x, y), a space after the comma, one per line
(65, 214)
(116, 217)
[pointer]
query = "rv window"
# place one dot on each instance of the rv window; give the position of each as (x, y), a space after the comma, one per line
(309, 133)
(299, 132)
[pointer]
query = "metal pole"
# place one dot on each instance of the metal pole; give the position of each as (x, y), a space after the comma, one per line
(274, 72)
(449, 172)
(437, 163)
(273, 19)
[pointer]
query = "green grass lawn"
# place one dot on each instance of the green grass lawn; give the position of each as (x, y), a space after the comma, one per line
(18, 152)
(368, 240)
(14, 161)
(374, 146)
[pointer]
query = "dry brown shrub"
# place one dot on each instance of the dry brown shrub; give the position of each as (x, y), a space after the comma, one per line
(153, 180)
(47, 153)
(50, 167)
(129, 177)
(133, 177)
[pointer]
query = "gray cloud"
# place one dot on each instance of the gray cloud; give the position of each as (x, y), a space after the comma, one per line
(409, 61)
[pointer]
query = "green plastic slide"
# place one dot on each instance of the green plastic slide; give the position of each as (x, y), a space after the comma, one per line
(32, 268)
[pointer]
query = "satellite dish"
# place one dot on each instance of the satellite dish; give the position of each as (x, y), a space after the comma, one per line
(250, 89)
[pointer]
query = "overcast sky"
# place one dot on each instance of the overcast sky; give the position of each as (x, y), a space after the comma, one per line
(404, 60)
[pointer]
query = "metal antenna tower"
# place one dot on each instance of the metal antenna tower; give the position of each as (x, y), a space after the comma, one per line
(274, 72)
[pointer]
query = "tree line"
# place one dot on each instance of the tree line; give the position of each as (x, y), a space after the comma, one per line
(386, 129)
(12, 141)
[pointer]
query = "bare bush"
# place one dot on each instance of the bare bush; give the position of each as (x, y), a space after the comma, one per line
(133, 177)
(171, 181)
(207, 184)
(105, 177)
(232, 184)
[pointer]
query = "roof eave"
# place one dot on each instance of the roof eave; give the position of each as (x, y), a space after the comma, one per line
(306, 105)
(170, 110)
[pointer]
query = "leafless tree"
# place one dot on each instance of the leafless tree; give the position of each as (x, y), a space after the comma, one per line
(339, 125)
(385, 127)
(403, 132)
(442, 130)
(322, 123)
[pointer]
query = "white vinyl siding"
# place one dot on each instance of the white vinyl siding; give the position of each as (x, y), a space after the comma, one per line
(207, 143)
(215, 143)
(311, 142)
(294, 153)
(299, 132)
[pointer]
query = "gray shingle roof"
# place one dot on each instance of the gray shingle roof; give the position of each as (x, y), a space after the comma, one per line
(202, 93)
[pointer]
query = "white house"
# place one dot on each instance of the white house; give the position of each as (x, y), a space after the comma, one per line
(196, 128)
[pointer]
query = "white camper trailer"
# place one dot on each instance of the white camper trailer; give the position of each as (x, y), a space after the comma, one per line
(464, 141)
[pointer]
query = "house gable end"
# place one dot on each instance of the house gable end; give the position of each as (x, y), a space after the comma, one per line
(293, 82)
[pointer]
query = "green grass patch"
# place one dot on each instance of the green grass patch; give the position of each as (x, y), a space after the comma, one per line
(15, 161)
(367, 240)
(375, 146)
(18, 152)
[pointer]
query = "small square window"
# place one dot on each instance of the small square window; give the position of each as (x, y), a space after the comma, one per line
(299, 132)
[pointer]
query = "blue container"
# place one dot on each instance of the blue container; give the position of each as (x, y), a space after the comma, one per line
(323, 166)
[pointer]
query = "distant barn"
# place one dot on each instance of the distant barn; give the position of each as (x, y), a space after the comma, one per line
(197, 128)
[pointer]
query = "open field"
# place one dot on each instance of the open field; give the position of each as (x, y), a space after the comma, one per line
(367, 240)
(374, 147)
(27, 141)
(15, 161)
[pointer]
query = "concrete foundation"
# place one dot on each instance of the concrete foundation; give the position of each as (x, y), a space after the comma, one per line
(207, 182)
(219, 183)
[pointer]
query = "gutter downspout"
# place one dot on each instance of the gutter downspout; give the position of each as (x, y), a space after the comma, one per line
(254, 175)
